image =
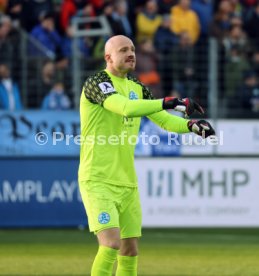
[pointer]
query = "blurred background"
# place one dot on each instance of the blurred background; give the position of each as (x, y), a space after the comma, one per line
(204, 49)
(201, 49)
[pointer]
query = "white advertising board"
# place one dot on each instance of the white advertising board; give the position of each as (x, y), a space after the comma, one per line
(199, 192)
(235, 137)
(239, 137)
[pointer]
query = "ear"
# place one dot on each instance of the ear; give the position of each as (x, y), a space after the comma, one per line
(108, 58)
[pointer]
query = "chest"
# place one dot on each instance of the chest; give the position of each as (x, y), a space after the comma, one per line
(129, 89)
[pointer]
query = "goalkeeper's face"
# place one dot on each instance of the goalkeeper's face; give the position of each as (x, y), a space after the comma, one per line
(120, 54)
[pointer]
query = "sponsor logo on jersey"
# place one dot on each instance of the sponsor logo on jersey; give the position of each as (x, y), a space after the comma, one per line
(104, 218)
(106, 87)
(133, 95)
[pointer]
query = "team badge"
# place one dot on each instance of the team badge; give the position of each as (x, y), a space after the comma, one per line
(106, 87)
(104, 218)
(133, 95)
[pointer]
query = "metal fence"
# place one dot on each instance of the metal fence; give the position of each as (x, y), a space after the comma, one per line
(222, 80)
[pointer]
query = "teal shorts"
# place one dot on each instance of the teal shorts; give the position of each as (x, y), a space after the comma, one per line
(108, 206)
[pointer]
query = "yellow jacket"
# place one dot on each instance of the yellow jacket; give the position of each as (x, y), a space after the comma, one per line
(185, 21)
(147, 27)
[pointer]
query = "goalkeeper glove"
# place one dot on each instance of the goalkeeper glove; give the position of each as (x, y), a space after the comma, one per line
(186, 105)
(201, 127)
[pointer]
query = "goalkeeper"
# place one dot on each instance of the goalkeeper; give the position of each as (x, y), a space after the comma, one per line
(113, 103)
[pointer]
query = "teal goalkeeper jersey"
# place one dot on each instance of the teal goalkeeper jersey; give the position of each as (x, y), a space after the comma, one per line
(108, 139)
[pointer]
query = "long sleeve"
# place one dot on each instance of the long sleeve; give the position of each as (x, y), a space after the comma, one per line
(169, 122)
(131, 108)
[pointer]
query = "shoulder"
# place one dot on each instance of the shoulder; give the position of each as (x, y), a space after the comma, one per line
(37, 29)
(134, 79)
(175, 9)
(98, 77)
(98, 87)
(193, 14)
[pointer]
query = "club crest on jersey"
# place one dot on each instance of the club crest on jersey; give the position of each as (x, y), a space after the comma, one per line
(106, 87)
(133, 95)
(104, 218)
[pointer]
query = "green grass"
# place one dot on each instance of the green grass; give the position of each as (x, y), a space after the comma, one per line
(181, 252)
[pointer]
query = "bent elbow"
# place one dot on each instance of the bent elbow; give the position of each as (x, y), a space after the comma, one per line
(129, 110)
(128, 113)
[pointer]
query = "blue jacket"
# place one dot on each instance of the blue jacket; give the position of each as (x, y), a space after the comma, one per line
(165, 40)
(50, 40)
(4, 100)
(204, 12)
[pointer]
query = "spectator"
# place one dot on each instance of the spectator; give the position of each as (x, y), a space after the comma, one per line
(8, 40)
(71, 8)
(203, 9)
(134, 8)
(56, 99)
(9, 91)
(235, 66)
(32, 12)
(146, 68)
(46, 34)
(108, 10)
(48, 75)
(252, 26)
(39, 86)
(165, 41)
(248, 93)
(68, 10)
(185, 20)
(237, 37)
(82, 44)
(183, 66)
(10, 46)
(15, 11)
(148, 21)
(220, 24)
(236, 21)
(119, 21)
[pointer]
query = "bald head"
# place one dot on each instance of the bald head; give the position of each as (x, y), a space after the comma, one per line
(119, 53)
(115, 42)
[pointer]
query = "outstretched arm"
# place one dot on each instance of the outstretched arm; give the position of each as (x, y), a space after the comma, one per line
(176, 124)
(99, 89)
(170, 122)
(138, 108)
(128, 108)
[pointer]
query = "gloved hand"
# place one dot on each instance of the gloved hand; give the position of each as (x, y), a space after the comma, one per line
(186, 105)
(201, 127)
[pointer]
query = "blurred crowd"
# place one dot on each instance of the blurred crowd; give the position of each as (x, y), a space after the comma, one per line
(172, 48)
